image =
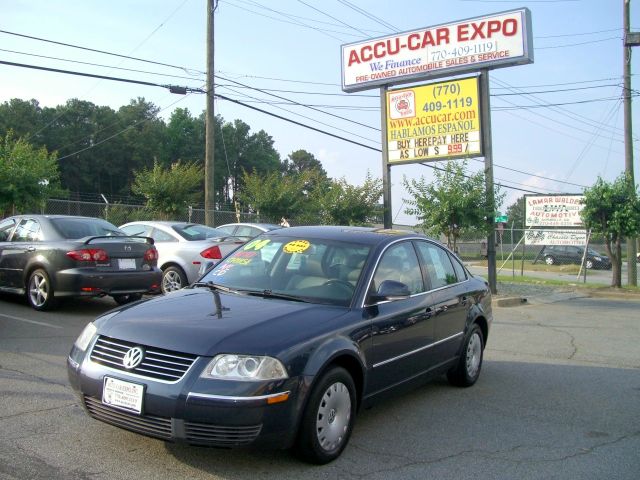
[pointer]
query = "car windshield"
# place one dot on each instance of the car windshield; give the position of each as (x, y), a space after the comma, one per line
(312, 270)
(194, 231)
(74, 228)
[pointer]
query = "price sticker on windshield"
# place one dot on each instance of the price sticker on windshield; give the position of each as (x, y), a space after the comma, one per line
(297, 246)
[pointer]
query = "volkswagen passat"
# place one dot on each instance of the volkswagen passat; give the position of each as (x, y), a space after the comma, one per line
(285, 339)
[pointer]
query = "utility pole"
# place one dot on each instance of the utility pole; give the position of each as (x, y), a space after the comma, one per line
(209, 191)
(631, 39)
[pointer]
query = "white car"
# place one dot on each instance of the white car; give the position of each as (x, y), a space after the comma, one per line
(183, 247)
(247, 231)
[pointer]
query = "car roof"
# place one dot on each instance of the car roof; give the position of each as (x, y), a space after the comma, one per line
(267, 226)
(52, 216)
(365, 235)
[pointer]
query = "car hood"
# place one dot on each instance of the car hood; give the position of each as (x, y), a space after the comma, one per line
(189, 321)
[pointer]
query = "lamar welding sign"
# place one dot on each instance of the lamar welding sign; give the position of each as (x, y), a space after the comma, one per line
(553, 210)
(492, 41)
(434, 122)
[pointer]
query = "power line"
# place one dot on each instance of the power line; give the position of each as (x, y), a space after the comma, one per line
(186, 70)
(296, 123)
(99, 65)
(172, 88)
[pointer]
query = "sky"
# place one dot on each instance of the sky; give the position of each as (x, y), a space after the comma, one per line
(557, 123)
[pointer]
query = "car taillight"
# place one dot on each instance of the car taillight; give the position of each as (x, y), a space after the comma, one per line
(151, 255)
(89, 255)
(212, 253)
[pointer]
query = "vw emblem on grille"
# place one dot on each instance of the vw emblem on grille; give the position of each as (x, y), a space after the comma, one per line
(127, 248)
(133, 358)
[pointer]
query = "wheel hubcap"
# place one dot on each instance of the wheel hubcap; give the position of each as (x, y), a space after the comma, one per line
(171, 281)
(474, 355)
(38, 290)
(334, 414)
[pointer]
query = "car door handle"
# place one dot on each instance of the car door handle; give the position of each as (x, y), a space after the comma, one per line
(31, 249)
(463, 300)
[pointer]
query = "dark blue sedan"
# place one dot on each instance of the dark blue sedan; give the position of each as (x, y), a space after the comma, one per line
(285, 339)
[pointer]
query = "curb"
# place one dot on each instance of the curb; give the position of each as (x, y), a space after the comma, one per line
(510, 301)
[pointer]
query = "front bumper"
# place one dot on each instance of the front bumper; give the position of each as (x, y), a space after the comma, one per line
(197, 411)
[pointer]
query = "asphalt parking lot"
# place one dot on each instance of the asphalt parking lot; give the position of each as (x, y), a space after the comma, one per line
(558, 398)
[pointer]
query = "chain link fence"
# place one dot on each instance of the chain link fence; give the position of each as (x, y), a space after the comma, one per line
(120, 213)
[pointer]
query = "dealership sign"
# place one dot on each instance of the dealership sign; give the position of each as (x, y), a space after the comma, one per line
(492, 41)
(577, 238)
(553, 210)
(434, 122)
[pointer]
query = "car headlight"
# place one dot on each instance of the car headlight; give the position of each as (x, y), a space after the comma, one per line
(85, 337)
(597, 259)
(244, 367)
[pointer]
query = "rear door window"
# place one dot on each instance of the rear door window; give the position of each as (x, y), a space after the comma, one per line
(438, 265)
(28, 231)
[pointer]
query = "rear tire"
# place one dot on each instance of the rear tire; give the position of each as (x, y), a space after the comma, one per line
(467, 371)
(173, 278)
(40, 292)
(127, 298)
(328, 419)
(549, 260)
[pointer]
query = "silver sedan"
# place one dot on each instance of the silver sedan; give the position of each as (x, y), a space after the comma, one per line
(182, 247)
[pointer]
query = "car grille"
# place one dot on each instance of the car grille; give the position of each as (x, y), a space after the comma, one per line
(161, 427)
(157, 364)
(158, 427)
(206, 434)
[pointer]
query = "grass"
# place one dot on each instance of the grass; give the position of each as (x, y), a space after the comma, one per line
(564, 283)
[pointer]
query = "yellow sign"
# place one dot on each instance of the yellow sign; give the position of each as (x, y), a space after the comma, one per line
(434, 122)
(297, 246)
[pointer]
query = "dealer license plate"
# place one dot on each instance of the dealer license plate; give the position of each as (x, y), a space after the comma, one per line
(121, 394)
(127, 263)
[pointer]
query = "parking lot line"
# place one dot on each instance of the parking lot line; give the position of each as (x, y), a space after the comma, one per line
(26, 320)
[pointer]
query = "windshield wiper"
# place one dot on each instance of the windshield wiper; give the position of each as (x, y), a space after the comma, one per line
(214, 286)
(271, 294)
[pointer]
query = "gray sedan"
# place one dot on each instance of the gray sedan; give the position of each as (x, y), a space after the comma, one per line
(182, 247)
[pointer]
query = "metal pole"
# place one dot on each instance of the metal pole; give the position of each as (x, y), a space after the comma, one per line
(488, 177)
(209, 190)
(632, 270)
(386, 168)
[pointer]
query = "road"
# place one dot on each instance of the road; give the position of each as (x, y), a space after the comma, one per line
(557, 399)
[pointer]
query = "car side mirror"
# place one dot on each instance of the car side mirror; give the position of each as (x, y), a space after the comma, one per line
(390, 290)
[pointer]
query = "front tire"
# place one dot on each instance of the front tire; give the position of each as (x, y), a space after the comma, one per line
(173, 278)
(467, 371)
(40, 292)
(328, 419)
(589, 264)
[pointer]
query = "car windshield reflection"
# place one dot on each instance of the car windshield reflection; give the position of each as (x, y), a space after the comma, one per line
(312, 270)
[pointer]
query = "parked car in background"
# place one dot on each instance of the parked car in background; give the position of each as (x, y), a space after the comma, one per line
(48, 257)
(247, 231)
(285, 339)
(558, 254)
(182, 247)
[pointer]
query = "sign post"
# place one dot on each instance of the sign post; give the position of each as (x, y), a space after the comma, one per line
(446, 120)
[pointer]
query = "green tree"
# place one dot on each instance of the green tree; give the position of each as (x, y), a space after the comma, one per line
(23, 117)
(169, 191)
(28, 176)
(238, 151)
(273, 195)
(612, 210)
(454, 204)
(184, 137)
(345, 204)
